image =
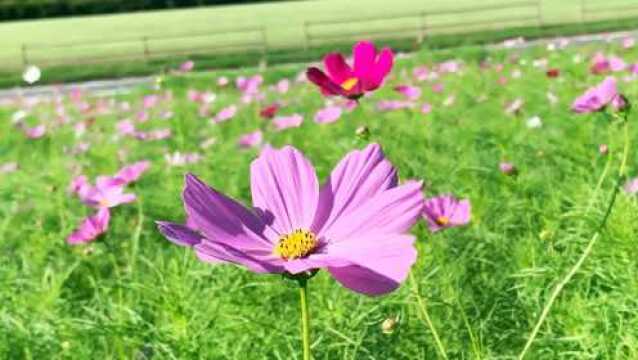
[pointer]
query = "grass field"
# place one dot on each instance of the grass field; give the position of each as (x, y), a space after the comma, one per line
(103, 37)
(133, 295)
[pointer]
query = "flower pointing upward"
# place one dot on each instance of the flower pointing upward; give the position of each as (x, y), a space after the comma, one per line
(355, 226)
(365, 75)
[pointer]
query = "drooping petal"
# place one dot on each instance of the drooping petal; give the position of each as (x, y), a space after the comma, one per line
(327, 86)
(284, 186)
(337, 68)
(222, 219)
(379, 264)
(133, 172)
(391, 212)
(358, 177)
(179, 234)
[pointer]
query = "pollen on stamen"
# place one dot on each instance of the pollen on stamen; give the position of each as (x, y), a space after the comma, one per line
(297, 244)
(442, 220)
(349, 83)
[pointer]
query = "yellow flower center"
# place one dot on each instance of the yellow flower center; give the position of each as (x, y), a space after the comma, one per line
(349, 84)
(296, 245)
(442, 220)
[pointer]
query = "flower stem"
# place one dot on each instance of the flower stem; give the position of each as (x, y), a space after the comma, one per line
(426, 316)
(590, 245)
(305, 317)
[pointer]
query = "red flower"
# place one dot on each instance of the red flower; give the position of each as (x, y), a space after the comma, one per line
(367, 74)
(269, 111)
(553, 73)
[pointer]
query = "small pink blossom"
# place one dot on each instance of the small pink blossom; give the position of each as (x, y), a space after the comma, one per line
(410, 92)
(446, 211)
(90, 228)
(285, 122)
(328, 115)
(250, 140)
(225, 114)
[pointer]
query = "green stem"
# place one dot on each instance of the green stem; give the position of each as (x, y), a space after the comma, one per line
(588, 249)
(305, 318)
(424, 312)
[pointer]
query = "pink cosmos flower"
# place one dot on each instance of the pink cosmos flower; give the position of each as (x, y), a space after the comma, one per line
(225, 114)
(507, 168)
(159, 134)
(446, 211)
(108, 192)
(285, 122)
(222, 81)
(328, 115)
(421, 73)
(437, 88)
(426, 108)
(598, 97)
(90, 228)
(282, 86)
(355, 226)
(631, 186)
(187, 66)
(150, 101)
(35, 132)
(410, 92)
(601, 64)
(125, 127)
(367, 73)
(250, 140)
(628, 42)
(391, 105)
(131, 173)
(179, 159)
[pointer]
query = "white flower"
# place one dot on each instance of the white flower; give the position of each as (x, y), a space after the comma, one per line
(31, 74)
(534, 122)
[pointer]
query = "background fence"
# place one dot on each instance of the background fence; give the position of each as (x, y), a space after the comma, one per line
(415, 26)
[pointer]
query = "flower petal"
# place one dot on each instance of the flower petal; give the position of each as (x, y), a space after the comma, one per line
(379, 264)
(382, 68)
(222, 219)
(327, 86)
(91, 227)
(358, 177)
(391, 212)
(255, 261)
(337, 68)
(179, 234)
(364, 55)
(284, 186)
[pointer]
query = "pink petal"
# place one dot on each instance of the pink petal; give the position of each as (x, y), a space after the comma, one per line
(91, 228)
(379, 265)
(284, 186)
(359, 176)
(337, 68)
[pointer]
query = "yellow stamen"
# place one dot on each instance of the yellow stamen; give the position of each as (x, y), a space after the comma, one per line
(442, 220)
(349, 84)
(298, 244)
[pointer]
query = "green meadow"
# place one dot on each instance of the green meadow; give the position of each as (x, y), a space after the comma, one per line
(133, 295)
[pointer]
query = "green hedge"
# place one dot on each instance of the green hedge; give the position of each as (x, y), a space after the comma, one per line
(36, 9)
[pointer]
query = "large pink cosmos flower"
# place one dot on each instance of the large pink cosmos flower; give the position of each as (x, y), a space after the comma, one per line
(598, 97)
(367, 74)
(355, 226)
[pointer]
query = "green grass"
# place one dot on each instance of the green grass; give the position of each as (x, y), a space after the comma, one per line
(137, 296)
(65, 46)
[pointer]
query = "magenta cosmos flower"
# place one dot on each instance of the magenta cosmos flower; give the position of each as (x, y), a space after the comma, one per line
(355, 226)
(446, 211)
(366, 74)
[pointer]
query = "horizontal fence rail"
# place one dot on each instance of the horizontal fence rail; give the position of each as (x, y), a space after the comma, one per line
(417, 25)
(315, 32)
